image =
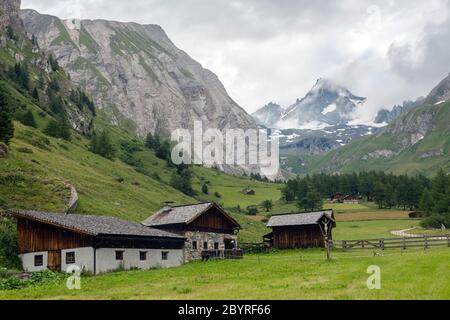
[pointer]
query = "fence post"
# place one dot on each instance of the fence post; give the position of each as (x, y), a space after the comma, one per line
(426, 242)
(344, 244)
(404, 243)
(382, 244)
(448, 240)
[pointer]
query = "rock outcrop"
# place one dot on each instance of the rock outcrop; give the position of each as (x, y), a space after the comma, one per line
(9, 13)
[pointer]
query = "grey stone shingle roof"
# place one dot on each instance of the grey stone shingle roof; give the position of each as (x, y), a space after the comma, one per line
(299, 219)
(180, 215)
(94, 225)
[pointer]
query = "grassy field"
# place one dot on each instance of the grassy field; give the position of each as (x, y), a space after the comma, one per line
(303, 274)
(372, 229)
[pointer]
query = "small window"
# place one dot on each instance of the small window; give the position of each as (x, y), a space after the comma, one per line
(143, 255)
(205, 245)
(38, 260)
(164, 255)
(70, 257)
(119, 255)
(216, 246)
(194, 245)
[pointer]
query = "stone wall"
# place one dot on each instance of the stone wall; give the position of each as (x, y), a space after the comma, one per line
(201, 237)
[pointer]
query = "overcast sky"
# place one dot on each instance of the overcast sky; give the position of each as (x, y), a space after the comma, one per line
(267, 50)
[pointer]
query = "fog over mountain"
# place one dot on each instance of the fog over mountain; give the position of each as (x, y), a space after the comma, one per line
(388, 51)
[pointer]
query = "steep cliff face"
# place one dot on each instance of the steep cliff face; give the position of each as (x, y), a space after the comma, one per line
(19, 52)
(9, 13)
(135, 71)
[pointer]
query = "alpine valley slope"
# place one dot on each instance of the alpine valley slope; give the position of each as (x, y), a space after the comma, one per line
(417, 142)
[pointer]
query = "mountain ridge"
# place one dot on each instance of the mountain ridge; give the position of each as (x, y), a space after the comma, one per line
(326, 104)
(418, 141)
(137, 72)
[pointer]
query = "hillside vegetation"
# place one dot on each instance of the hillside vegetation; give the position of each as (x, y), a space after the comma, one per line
(416, 143)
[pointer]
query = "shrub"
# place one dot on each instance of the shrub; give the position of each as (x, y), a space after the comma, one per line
(252, 210)
(28, 119)
(8, 244)
(59, 129)
(436, 221)
(102, 145)
(25, 150)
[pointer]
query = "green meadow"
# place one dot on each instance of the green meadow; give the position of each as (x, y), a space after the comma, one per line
(302, 274)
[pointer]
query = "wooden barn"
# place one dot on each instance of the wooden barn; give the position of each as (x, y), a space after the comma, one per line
(93, 243)
(300, 230)
(337, 197)
(340, 198)
(208, 229)
(350, 199)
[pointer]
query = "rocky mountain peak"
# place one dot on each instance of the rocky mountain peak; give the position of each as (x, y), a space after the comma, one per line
(441, 93)
(269, 114)
(326, 104)
(137, 76)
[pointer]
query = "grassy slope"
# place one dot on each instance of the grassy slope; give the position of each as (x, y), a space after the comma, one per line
(42, 177)
(280, 275)
(348, 158)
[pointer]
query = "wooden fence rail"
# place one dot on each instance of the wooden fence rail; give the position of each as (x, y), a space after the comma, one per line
(253, 247)
(393, 243)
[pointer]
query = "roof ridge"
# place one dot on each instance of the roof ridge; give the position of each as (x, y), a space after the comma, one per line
(293, 213)
(192, 205)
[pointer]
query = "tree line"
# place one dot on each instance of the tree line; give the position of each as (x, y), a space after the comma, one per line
(430, 196)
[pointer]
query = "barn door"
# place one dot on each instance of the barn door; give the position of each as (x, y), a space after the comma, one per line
(54, 260)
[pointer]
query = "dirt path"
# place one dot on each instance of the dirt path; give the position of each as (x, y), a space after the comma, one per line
(405, 234)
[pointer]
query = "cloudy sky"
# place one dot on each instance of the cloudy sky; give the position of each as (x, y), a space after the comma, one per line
(267, 50)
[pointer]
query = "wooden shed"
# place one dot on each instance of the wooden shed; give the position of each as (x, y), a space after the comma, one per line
(300, 230)
(93, 243)
(249, 192)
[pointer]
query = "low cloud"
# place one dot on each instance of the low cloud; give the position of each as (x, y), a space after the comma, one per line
(266, 50)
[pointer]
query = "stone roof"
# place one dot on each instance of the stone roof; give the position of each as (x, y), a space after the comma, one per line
(299, 219)
(182, 214)
(94, 225)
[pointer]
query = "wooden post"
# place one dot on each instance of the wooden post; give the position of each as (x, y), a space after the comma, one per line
(327, 244)
(404, 243)
(426, 242)
(448, 240)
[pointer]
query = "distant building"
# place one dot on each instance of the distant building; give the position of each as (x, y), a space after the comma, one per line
(340, 198)
(249, 192)
(209, 230)
(350, 199)
(337, 197)
(300, 230)
(415, 215)
(93, 243)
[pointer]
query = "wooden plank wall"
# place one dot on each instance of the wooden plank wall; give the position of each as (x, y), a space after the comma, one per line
(213, 221)
(298, 237)
(34, 237)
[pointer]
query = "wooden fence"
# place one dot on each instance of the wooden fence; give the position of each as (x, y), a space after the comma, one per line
(393, 243)
(253, 247)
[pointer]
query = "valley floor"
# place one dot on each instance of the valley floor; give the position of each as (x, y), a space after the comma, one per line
(412, 274)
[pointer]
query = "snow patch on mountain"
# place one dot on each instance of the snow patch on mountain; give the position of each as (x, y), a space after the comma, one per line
(331, 108)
